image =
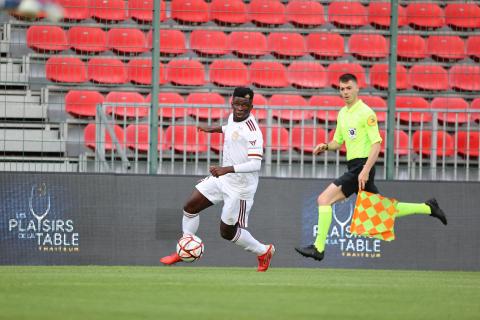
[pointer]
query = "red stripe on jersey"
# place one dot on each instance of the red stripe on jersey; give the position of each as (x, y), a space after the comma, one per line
(255, 155)
(251, 125)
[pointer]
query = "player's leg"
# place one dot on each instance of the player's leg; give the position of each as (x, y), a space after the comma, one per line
(194, 205)
(233, 224)
(205, 194)
(333, 193)
(430, 207)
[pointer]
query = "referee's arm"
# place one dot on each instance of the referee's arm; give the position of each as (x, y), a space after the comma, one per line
(332, 145)
(372, 158)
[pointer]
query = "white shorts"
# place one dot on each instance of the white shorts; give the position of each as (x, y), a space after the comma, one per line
(235, 210)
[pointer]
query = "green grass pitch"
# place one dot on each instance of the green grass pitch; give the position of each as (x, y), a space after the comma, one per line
(94, 292)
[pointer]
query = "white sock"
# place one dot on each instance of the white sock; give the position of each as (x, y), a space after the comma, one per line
(190, 223)
(244, 239)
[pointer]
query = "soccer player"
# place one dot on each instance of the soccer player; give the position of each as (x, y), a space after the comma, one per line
(356, 127)
(234, 183)
(30, 8)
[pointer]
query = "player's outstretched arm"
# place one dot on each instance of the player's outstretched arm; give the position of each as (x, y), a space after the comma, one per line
(210, 129)
(332, 145)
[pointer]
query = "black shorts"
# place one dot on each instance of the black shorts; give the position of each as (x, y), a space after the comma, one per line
(349, 180)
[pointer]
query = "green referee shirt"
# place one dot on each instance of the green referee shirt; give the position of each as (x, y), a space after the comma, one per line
(357, 126)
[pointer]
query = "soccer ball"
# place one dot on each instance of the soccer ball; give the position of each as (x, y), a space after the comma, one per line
(190, 248)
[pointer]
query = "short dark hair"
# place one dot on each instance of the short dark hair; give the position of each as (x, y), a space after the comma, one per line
(344, 78)
(243, 92)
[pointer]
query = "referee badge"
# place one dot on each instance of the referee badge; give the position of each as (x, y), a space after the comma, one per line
(371, 121)
(352, 133)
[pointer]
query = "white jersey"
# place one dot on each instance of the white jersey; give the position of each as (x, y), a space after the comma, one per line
(242, 141)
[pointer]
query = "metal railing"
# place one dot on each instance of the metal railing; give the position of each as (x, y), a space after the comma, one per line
(181, 149)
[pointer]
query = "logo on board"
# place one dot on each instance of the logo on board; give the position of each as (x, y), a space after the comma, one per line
(42, 226)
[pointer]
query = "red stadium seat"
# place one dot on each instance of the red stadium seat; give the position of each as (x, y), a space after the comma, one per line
(325, 45)
(186, 73)
(422, 143)
(90, 133)
(286, 45)
(347, 14)
(465, 77)
(306, 138)
(411, 47)
(378, 104)
(428, 77)
(108, 10)
(75, 9)
(65, 69)
(138, 138)
(425, 15)
(173, 99)
(335, 70)
(290, 103)
(186, 139)
(446, 47)
(189, 11)
(126, 41)
(259, 100)
(307, 74)
(229, 11)
(379, 15)
(267, 12)
(463, 15)
(411, 102)
(216, 142)
(400, 142)
(123, 104)
(305, 13)
(473, 47)
(82, 103)
(229, 73)
(142, 10)
(468, 143)
(87, 39)
(368, 46)
(210, 99)
(46, 39)
(209, 42)
(326, 101)
(476, 106)
(451, 103)
(279, 138)
(107, 70)
(331, 134)
(270, 74)
(248, 43)
(139, 71)
(172, 42)
(379, 77)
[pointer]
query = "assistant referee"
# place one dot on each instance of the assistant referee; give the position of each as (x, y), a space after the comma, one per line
(357, 127)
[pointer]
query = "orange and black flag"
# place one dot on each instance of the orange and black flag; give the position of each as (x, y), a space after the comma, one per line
(374, 216)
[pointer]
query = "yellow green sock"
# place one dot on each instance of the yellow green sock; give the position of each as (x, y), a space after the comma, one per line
(324, 221)
(406, 209)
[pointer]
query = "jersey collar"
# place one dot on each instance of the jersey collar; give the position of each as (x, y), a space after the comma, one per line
(355, 106)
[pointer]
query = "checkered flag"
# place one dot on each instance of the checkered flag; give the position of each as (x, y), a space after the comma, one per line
(374, 216)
